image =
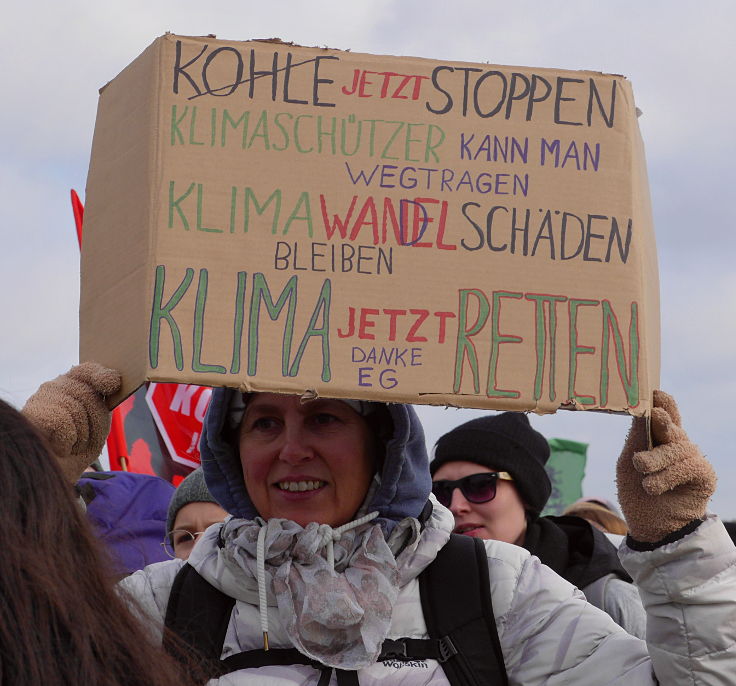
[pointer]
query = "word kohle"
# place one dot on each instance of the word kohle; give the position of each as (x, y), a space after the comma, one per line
(272, 217)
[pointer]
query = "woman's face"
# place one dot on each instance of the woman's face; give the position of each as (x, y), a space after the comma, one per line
(501, 519)
(305, 461)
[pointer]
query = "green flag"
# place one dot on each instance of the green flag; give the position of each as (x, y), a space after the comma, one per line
(566, 469)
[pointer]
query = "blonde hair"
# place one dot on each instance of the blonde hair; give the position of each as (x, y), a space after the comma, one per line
(599, 516)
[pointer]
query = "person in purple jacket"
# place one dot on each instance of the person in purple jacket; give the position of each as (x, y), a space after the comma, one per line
(128, 513)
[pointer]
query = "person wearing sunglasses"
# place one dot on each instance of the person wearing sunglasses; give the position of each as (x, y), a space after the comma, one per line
(490, 473)
(310, 486)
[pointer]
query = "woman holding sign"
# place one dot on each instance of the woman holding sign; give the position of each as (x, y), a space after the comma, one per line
(334, 567)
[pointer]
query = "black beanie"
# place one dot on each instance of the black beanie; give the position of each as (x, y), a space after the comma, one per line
(506, 442)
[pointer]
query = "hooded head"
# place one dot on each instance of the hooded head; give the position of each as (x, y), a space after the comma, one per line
(193, 489)
(505, 442)
(400, 490)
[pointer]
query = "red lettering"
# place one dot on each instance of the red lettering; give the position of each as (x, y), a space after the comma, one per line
(366, 323)
(443, 317)
(386, 78)
(363, 87)
(363, 83)
(369, 208)
(356, 75)
(421, 316)
(351, 324)
(339, 224)
(426, 220)
(393, 314)
(441, 229)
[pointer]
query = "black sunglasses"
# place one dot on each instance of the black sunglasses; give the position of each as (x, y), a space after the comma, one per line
(476, 488)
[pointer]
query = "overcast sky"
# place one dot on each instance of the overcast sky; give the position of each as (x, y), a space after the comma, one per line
(679, 56)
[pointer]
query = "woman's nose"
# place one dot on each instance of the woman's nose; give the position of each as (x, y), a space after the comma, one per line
(296, 447)
(458, 503)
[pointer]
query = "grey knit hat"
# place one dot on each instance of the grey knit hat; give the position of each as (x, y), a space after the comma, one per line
(503, 441)
(192, 490)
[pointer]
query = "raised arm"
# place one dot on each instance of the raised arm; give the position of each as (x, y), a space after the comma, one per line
(72, 414)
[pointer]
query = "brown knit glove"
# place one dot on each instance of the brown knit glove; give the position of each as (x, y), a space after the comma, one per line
(71, 412)
(663, 489)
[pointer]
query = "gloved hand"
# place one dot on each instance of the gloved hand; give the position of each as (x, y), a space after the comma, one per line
(71, 413)
(663, 489)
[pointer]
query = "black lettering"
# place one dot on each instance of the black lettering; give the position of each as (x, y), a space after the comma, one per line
(448, 104)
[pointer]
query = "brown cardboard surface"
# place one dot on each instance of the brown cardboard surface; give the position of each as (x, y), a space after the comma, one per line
(273, 217)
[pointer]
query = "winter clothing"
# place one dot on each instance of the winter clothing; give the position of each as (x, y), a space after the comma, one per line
(338, 593)
(548, 634)
(193, 489)
(128, 514)
(401, 492)
(569, 545)
(583, 555)
(677, 483)
(71, 413)
(505, 442)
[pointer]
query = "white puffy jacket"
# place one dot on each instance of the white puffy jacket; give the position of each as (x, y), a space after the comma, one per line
(549, 634)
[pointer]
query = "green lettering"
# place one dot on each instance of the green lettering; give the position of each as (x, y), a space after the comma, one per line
(227, 120)
(238, 324)
(464, 345)
(176, 123)
(629, 373)
(384, 153)
(284, 132)
(303, 200)
(200, 203)
(174, 205)
(250, 196)
(200, 302)
(261, 293)
(496, 340)
(542, 333)
(160, 311)
(321, 309)
(430, 147)
(576, 350)
(261, 131)
(192, 126)
(331, 133)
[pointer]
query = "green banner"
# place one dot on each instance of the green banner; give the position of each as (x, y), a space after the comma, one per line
(566, 469)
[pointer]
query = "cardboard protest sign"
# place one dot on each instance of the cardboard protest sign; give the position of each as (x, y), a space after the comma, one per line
(274, 217)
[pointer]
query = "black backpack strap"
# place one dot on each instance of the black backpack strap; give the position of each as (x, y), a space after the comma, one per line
(456, 602)
(197, 615)
(455, 592)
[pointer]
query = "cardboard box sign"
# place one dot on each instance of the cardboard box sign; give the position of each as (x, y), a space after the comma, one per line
(274, 217)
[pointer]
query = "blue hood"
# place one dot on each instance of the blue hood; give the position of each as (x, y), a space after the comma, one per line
(405, 480)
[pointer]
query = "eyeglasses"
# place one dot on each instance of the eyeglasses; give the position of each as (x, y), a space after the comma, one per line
(179, 538)
(476, 488)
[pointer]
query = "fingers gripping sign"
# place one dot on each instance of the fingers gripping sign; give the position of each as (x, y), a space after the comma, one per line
(664, 481)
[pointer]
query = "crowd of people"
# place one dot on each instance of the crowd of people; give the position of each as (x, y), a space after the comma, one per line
(319, 545)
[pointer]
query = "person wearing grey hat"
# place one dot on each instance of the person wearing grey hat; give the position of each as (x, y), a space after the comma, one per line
(337, 579)
(191, 511)
(490, 473)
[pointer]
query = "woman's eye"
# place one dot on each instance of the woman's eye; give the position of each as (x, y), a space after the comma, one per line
(324, 418)
(263, 424)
